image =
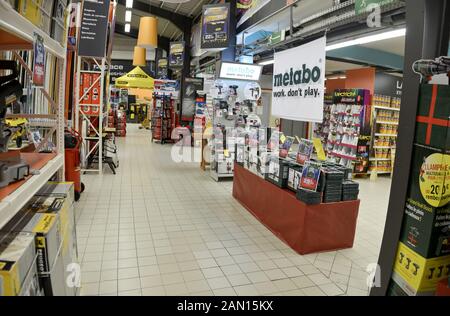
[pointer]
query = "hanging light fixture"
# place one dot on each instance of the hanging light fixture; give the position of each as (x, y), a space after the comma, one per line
(139, 56)
(148, 32)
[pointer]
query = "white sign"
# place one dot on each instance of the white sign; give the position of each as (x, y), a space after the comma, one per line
(298, 82)
(240, 71)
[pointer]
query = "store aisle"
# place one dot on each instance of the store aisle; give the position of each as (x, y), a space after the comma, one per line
(162, 228)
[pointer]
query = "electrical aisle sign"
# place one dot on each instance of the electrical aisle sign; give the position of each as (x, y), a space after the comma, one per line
(94, 27)
(236, 71)
(298, 82)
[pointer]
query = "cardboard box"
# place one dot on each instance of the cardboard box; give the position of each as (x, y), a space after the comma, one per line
(17, 260)
(417, 275)
(85, 83)
(425, 226)
(69, 249)
(433, 123)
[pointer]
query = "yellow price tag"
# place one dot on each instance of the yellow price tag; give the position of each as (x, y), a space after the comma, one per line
(319, 149)
(282, 138)
(226, 153)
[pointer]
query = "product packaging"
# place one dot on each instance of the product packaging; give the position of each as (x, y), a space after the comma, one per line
(18, 266)
(294, 176)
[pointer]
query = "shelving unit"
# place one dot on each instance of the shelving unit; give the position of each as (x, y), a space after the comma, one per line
(163, 118)
(90, 116)
(385, 116)
(16, 35)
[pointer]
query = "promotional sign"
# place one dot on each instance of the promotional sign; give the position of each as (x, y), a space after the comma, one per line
(386, 84)
(176, 55)
(161, 71)
(305, 151)
(310, 175)
(215, 26)
(364, 6)
(298, 82)
(277, 37)
(39, 61)
(93, 30)
(237, 71)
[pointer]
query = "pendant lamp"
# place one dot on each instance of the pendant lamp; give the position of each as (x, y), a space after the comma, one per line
(148, 32)
(139, 56)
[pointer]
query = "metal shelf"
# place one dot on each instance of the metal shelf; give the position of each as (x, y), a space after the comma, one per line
(387, 123)
(385, 135)
(14, 23)
(386, 108)
(380, 159)
(382, 147)
(12, 204)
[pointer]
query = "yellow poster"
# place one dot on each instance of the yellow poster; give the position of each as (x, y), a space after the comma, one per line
(319, 149)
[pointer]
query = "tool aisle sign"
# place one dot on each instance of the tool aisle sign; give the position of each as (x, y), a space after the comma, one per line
(298, 82)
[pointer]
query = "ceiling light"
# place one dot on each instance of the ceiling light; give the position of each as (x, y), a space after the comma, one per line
(127, 28)
(129, 4)
(128, 16)
(266, 62)
(368, 39)
(148, 32)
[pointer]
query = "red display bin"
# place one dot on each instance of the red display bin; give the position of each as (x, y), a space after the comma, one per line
(305, 228)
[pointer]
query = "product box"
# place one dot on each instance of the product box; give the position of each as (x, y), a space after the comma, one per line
(17, 263)
(278, 171)
(425, 226)
(85, 84)
(63, 195)
(294, 176)
(416, 275)
(433, 124)
(48, 237)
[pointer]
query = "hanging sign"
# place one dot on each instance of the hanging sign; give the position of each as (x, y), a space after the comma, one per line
(38, 61)
(162, 68)
(93, 30)
(236, 71)
(215, 26)
(364, 6)
(298, 82)
(176, 55)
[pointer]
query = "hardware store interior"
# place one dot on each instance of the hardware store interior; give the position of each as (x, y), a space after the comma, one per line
(224, 148)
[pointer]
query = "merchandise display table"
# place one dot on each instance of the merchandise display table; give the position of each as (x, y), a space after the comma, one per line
(305, 228)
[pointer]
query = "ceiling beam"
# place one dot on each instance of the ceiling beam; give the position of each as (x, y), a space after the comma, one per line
(163, 42)
(179, 20)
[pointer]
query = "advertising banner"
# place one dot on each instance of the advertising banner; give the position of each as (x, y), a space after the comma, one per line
(363, 6)
(298, 82)
(176, 55)
(39, 61)
(215, 26)
(161, 71)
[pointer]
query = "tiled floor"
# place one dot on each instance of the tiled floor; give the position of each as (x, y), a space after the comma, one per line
(165, 228)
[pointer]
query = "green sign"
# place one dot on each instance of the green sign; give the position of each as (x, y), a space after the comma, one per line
(277, 37)
(364, 6)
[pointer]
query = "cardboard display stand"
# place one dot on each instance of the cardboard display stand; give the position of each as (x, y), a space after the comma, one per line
(306, 229)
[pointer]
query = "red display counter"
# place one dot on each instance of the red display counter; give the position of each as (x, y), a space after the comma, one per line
(305, 228)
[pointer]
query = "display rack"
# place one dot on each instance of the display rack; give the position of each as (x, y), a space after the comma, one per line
(90, 113)
(385, 120)
(16, 34)
(163, 118)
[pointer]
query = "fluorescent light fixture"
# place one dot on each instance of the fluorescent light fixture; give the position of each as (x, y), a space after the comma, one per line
(343, 77)
(127, 28)
(368, 39)
(129, 4)
(128, 16)
(266, 62)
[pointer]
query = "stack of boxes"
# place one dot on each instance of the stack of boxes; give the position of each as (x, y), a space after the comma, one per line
(90, 103)
(44, 246)
(332, 185)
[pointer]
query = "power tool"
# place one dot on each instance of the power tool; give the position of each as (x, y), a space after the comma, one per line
(12, 168)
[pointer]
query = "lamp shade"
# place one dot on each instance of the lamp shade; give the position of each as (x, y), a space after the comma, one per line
(139, 56)
(148, 32)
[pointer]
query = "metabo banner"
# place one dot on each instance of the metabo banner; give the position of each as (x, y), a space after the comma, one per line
(298, 82)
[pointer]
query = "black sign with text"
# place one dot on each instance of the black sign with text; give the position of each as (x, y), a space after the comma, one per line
(215, 26)
(94, 26)
(388, 85)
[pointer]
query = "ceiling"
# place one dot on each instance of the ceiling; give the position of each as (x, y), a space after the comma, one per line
(166, 28)
(333, 66)
(393, 45)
